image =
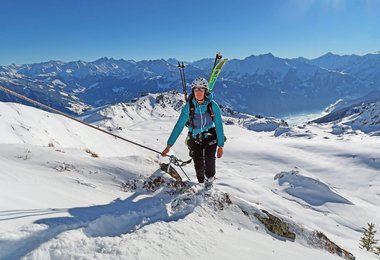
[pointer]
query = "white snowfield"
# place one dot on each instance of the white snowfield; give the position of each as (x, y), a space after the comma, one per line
(59, 202)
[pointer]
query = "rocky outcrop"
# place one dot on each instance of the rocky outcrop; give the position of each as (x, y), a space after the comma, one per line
(320, 240)
(290, 230)
(276, 225)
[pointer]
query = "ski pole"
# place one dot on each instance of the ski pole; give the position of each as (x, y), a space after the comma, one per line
(181, 68)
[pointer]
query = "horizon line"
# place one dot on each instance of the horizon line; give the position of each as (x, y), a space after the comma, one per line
(166, 59)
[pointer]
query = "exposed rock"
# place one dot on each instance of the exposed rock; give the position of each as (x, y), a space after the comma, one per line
(220, 201)
(152, 184)
(320, 240)
(315, 238)
(275, 225)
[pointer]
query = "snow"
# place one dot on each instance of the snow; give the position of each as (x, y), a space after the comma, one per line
(310, 190)
(366, 119)
(59, 202)
(294, 120)
(59, 83)
(357, 117)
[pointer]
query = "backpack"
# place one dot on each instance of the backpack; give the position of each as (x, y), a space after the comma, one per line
(192, 111)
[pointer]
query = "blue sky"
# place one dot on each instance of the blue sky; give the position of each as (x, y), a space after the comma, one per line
(36, 30)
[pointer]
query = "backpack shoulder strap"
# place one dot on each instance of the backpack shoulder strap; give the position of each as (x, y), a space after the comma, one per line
(190, 122)
(191, 111)
(210, 111)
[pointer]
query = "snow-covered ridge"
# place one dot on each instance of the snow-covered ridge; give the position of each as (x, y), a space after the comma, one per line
(24, 125)
(169, 105)
(364, 67)
(367, 118)
(148, 107)
(58, 201)
(50, 91)
(362, 115)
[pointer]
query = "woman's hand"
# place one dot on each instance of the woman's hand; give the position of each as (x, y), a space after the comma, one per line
(219, 153)
(165, 151)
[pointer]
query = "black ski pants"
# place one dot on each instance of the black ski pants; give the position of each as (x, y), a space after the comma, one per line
(203, 154)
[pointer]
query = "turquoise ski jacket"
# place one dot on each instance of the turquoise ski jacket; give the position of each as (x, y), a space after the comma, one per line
(202, 120)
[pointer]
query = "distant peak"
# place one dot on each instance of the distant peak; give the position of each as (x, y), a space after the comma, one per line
(172, 60)
(329, 54)
(262, 56)
(269, 54)
(103, 59)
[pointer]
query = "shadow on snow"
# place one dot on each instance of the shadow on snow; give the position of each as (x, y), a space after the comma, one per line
(113, 219)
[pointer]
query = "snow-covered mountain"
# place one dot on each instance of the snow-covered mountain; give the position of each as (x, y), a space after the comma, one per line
(261, 84)
(364, 67)
(361, 114)
(68, 191)
(167, 105)
(50, 92)
(269, 85)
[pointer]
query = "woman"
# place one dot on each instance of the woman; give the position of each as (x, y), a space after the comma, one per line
(206, 136)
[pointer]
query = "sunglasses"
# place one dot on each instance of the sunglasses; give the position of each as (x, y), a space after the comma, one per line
(200, 89)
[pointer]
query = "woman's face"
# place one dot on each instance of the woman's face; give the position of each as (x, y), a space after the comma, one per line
(199, 93)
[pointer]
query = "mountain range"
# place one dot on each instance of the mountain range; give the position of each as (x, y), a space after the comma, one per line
(261, 84)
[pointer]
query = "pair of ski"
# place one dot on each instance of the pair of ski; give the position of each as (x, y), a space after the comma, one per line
(217, 68)
(219, 62)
